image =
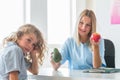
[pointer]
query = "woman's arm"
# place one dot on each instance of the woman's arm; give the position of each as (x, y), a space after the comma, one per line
(13, 75)
(95, 41)
(55, 65)
(96, 57)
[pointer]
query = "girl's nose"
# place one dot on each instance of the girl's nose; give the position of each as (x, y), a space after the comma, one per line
(31, 46)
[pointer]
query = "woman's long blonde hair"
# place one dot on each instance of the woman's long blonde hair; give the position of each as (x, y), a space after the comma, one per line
(28, 29)
(91, 15)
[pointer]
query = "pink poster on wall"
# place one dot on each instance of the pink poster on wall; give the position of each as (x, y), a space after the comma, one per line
(115, 14)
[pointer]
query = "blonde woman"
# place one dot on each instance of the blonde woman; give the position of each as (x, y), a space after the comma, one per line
(80, 50)
(22, 51)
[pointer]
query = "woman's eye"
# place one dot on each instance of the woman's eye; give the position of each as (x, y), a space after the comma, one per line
(88, 24)
(81, 23)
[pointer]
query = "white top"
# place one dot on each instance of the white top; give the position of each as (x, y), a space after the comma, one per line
(12, 59)
(80, 56)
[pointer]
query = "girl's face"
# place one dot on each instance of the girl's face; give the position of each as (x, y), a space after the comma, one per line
(27, 42)
(84, 26)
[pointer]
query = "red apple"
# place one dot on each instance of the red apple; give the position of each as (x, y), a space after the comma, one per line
(95, 37)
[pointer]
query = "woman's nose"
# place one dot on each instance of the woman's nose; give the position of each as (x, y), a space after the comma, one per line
(83, 26)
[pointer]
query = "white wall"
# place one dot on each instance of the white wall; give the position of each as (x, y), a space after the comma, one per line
(38, 14)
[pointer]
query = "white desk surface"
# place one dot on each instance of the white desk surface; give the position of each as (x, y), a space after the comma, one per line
(65, 74)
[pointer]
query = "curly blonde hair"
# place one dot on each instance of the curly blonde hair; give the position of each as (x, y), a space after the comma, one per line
(28, 29)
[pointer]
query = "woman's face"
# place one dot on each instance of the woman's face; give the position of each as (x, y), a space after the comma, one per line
(27, 42)
(84, 26)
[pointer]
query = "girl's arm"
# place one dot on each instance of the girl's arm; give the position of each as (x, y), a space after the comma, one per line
(13, 75)
(34, 69)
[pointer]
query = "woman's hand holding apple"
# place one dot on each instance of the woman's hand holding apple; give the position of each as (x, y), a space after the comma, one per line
(95, 38)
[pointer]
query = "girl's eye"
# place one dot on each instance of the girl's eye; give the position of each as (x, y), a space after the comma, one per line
(28, 40)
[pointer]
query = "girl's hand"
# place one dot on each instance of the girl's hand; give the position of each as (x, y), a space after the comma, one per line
(34, 51)
(33, 54)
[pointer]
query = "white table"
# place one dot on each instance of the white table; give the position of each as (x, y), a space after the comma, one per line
(65, 74)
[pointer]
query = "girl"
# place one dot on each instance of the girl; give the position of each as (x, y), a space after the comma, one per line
(22, 50)
(80, 50)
